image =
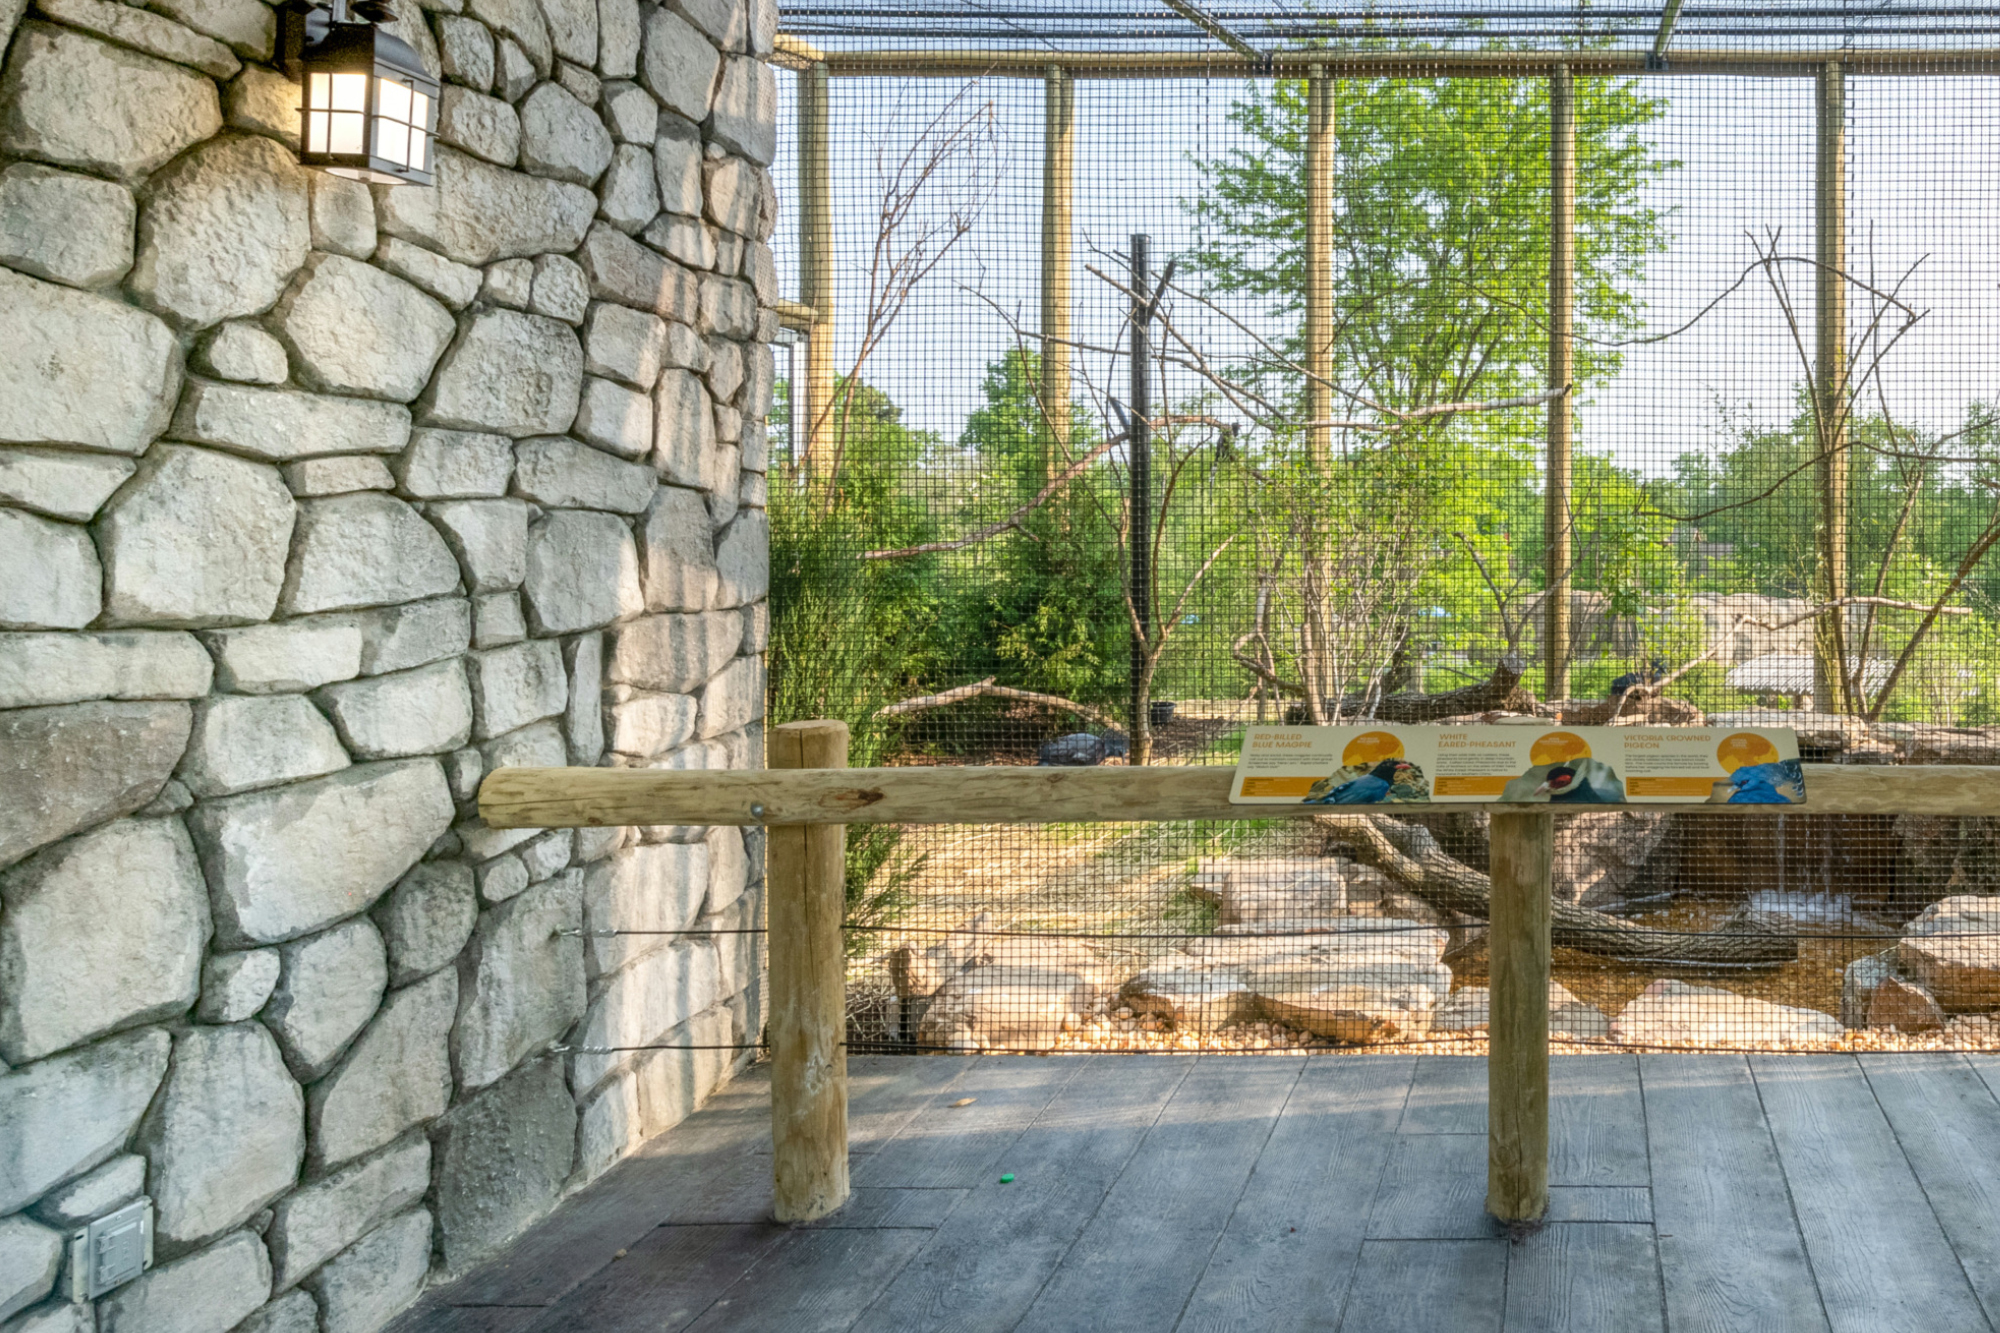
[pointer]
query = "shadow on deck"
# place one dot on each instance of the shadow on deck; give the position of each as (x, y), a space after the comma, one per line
(1180, 1193)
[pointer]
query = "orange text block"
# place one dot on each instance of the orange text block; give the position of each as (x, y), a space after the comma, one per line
(1469, 786)
(1699, 788)
(1295, 787)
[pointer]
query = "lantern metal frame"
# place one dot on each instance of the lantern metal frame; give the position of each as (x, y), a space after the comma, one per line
(367, 108)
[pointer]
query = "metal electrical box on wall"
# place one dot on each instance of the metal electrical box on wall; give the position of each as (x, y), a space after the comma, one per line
(111, 1250)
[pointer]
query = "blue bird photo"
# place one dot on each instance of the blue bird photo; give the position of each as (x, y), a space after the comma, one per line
(1782, 783)
(1368, 789)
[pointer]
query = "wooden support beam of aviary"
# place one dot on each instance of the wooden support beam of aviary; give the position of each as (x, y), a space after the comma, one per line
(812, 401)
(1058, 172)
(1559, 507)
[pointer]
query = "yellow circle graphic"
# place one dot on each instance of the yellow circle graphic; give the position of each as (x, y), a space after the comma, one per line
(1558, 747)
(1745, 747)
(1371, 748)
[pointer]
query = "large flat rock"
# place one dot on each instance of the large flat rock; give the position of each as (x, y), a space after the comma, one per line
(66, 768)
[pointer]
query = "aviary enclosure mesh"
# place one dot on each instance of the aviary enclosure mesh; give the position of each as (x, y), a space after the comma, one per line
(1349, 552)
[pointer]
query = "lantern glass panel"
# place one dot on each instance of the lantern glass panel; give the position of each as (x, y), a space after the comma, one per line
(350, 92)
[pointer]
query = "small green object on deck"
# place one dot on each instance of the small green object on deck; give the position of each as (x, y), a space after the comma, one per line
(1007, 1179)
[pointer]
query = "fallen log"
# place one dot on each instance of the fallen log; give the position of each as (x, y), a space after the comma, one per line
(1410, 855)
(986, 688)
(1499, 692)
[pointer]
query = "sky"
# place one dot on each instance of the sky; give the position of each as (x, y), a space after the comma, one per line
(1920, 187)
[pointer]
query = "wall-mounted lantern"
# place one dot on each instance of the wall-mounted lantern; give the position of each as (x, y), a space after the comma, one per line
(369, 111)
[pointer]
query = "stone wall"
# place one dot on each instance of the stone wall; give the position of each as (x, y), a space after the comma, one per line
(318, 503)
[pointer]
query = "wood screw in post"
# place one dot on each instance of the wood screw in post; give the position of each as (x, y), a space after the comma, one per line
(807, 888)
(1517, 1063)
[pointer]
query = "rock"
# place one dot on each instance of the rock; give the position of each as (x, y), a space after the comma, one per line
(630, 195)
(561, 291)
(483, 126)
(523, 980)
(515, 73)
(677, 167)
(343, 215)
(285, 863)
(234, 986)
(453, 464)
(583, 572)
(516, 685)
(614, 418)
(282, 425)
(743, 560)
(511, 373)
(1199, 999)
(465, 47)
(734, 699)
(649, 725)
(624, 344)
(330, 987)
(226, 1134)
(1857, 986)
(632, 114)
(71, 486)
(1280, 888)
(68, 768)
(490, 538)
(397, 1074)
(30, 1258)
(728, 307)
(561, 138)
(241, 743)
(725, 369)
(503, 878)
(502, 1160)
(683, 239)
(1952, 950)
(477, 213)
(673, 654)
(661, 1089)
(426, 919)
(364, 1288)
(72, 1111)
(511, 283)
(745, 118)
(82, 370)
(221, 232)
(654, 890)
(196, 538)
(1570, 1019)
(1383, 984)
(97, 1192)
(62, 577)
(286, 657)
(75, 101)
(732, 195)
(427, 710)
(351, 328)
(246, 25)
(762, 272)
(677, 553)
(1015, 1001)
(295, 1313)
(539, 745)
(1673, 1013)
(661, 989)
(454, 284)
(678, 64)
(563, 474)
(622, 270)
(72, 229)
(521, 20)
(320, 1220)
(365, 550)
(149, 33)
(242, 351)
(1902, 1007)
(315, 477)
(583, 719)
(685, 449)
(497, 620)
(396, 638)
(207, 1292)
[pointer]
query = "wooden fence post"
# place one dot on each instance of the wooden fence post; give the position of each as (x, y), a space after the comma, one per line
(807, 887)
(1517, 1066)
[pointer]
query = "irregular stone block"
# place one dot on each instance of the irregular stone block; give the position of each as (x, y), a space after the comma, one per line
(618, 37)
(677, 553)
(677, 167)
(1952, 950)
(561, 138)
(320, 1220)
(561, 290)
(563, 474)
(516, 685)
(614, 418)
(521, 20)
(678, 64)
(622, 270)
(539, 745)
(241, 351)
(396, 638)
(524, 982)
(68, 228)
(1673, 1013)
(502, 878)
(511, 373)
(631, 113)
(150, 33)
(206, 1292)
(682, 239)
(466, 48)
(477, 213)
(426, 919)
(583, 572)
(283, 658)
(76, 101)
(624, 344)
(296, 1313)
(263, 101)
(745, 118)
(221, 232)
(351, 328)
(282, 425)
(515, 74)
(547, 854)
(284, 863)
(117, 1182)
(743, 560)
(30, 1257)
(59, 580)
(630, 195)
(497, 620)
(248, 26)
(734, 699)
(453, 284)
(648, 725)
(426, 710)
(225, 1136)
(365, 550)
(67, 768)
(67, 1113)
(234, 986)
(640, 1003)
(573, 29)
(454, 464)
(656, 887)
(673, 654)
(60, 484)
(502, 1160)
(330, 986)
(732, 194)
(685, 449)
(583, 721)
(484, 126)
(242, 743)
(511, 283)
(82, 370)
(661, 1089)
(725, 369)
(397, 1074)
(1900, 1006)
(196, 538)
(315, 477)
(343, 214)
(579, 82)
(728, 307)
(490, 538)
(364, 1288)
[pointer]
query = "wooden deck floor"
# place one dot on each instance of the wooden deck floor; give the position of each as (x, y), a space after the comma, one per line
(1699, 1192)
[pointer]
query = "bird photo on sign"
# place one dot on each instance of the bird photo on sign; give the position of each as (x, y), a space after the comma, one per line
(1374, 770)
(1758, 775)
(1563, 770)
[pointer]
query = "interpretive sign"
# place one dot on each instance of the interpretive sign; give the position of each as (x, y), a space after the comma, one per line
(1388, 765)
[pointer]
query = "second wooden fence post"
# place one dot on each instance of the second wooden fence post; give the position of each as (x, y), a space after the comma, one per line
(808, 989)
(1517, 1064)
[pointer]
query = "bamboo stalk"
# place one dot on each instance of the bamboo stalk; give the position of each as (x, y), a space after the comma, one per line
(1557, 508)
(1517, 1065)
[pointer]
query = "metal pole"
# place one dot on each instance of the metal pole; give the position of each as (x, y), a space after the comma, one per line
(1558, 503)
(1058, 160)
(1830, 389)
(814, 405)
(1140, 471)
(1319, 263)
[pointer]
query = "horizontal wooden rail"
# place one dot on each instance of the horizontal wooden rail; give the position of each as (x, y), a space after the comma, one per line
(600, 797)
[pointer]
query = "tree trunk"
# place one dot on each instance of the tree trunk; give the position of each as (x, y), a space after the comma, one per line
(1408, 854)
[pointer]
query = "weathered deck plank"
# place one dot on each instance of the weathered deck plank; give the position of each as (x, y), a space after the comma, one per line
(953, 1147)
(1597, 1123)
(1428, 1284)
(1447, 1097)
(1582, 1277)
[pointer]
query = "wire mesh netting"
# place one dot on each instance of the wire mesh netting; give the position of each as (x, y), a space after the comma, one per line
(1162, 371)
